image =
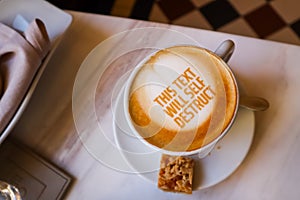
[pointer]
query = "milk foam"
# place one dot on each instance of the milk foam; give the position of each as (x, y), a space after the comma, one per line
(179, 89)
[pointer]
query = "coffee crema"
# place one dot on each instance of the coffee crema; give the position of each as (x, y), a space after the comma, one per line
(182, 98)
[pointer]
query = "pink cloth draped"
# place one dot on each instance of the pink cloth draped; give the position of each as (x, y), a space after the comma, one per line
(21, 55)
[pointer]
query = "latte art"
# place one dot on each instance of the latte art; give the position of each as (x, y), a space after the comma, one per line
(184, 108)
(182, 98)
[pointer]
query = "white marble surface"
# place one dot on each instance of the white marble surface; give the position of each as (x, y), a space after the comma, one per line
(264, 68)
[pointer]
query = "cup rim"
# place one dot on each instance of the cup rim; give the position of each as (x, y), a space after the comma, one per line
(209, 145)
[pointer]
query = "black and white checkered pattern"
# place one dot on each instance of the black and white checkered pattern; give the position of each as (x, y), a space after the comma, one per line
(277, 20)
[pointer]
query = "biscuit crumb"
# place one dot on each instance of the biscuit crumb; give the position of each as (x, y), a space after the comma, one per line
(176, 174)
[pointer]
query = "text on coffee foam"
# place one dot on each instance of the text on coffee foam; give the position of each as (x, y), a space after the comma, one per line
(185, 97)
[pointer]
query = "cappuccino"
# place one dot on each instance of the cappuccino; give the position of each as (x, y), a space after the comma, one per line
(182, 98)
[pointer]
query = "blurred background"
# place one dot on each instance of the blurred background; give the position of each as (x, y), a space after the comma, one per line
(277, 20)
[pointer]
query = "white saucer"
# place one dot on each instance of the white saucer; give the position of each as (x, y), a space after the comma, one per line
(227, 155)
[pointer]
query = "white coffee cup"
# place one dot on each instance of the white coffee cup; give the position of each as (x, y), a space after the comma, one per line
(182, 100)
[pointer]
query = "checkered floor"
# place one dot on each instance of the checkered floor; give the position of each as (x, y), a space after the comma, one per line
(277, 20)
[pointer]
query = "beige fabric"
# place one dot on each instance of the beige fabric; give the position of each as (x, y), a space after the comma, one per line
(20, 56)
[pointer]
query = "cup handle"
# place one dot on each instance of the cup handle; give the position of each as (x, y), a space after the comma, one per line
(225, 50)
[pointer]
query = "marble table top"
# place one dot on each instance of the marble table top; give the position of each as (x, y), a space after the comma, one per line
(73, 105)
